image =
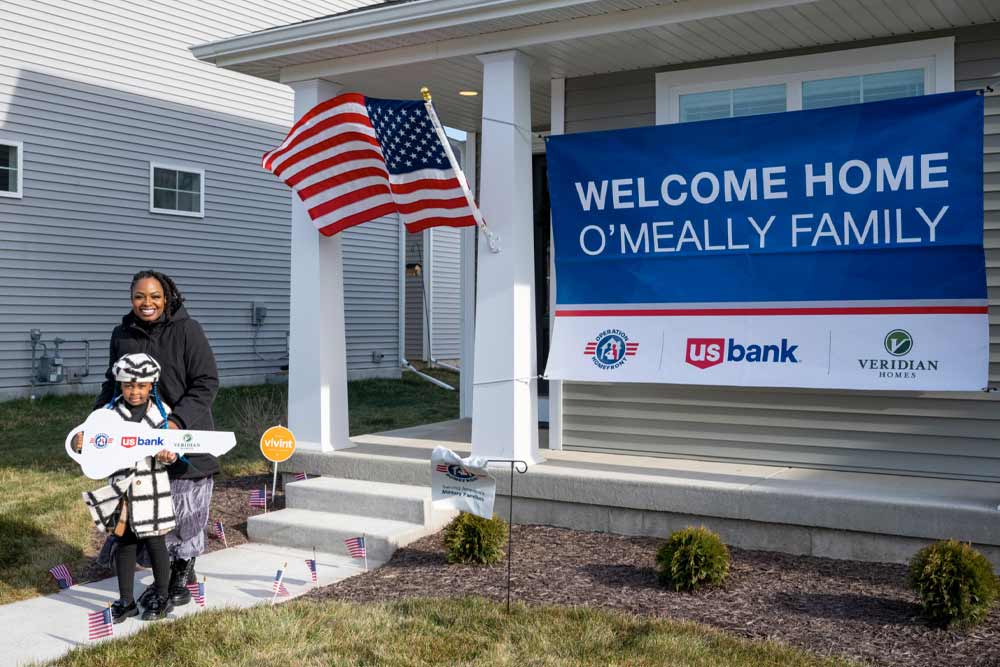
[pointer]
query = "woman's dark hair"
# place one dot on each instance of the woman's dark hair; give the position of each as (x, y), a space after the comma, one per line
(171, 294)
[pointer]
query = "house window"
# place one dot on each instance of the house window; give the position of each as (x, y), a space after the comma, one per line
(176, 190)
(807, 82)
(11, 168)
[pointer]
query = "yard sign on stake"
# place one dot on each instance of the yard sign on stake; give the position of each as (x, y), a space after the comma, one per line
(277, 445)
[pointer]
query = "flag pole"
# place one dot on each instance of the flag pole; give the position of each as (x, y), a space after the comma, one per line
(492, 239)
(364, 541)
(265, 497)
(316, 566)
(274, 484)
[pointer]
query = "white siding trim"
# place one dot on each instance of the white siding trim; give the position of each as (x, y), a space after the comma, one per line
(19, 145)
(200, 213)
(935, 56)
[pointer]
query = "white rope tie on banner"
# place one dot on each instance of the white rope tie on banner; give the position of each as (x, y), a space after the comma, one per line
(525, 380)
(492, 240)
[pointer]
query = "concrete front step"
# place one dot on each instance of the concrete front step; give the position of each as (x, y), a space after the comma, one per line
(399, 502)
(326, 531)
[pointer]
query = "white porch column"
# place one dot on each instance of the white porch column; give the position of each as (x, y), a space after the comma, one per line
(317, 366)
(468, 289)
(557, 125)
(505, 408)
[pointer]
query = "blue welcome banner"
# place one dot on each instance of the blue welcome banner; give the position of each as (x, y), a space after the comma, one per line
(824, 231)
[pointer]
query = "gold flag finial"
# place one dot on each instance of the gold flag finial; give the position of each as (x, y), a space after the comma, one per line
(425, 92)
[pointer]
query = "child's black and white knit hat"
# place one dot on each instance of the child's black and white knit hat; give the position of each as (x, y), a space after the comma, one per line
(136, 367)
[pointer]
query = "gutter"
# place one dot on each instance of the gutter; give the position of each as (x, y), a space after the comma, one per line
(368, 24)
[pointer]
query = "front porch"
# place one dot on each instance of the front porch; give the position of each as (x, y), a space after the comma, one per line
(833, 514)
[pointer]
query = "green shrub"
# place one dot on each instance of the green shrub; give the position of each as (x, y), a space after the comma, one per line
(473, 539)
(955, 583)
(692, 558)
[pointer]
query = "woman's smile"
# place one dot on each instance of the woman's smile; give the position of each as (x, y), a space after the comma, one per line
(148, 300)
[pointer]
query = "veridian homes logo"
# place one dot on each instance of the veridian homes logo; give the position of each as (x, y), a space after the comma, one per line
(707, 352)
(610, 349)
(898, 343)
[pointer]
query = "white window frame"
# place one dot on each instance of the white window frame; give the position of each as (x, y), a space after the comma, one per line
(935, 56)
(200, 213)
(19, 193)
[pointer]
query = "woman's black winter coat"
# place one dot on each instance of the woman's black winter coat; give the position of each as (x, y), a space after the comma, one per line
(189, 378)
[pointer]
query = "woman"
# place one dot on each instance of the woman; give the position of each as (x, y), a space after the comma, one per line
(160, 326)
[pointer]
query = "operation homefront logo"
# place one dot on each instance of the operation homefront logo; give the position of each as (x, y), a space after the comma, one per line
(610, 349)
(898, 343)
(456, 472)
(102, 440)
(707, 352)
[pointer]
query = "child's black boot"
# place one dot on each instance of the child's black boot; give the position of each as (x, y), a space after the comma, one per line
(158, 608)
(120, 610)
(178, 591)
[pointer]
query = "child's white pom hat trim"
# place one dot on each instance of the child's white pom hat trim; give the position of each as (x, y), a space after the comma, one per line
(136, 367)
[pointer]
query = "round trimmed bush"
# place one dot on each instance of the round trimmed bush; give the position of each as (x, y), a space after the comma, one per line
(692, 558)
(955, 583)
(473, 539)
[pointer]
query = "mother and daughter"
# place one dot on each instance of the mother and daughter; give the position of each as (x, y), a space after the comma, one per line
(163, 374)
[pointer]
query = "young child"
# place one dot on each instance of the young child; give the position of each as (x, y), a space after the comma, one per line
(136, 505)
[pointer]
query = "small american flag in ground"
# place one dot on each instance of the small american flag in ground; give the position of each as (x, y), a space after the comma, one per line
(353, 158)
(197, 592)
(62, 576)
(278, 587)
(300, 477)
(356, 546)
(311, 564)
(99, 624)
(258, 498)
(219, 532)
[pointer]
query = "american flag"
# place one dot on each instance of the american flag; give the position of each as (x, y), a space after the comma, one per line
(356, 547)
(258, 498)
(62, 576)
(353, 158)
(219, 532)
(197, 592)
(99, 624)
(278, 587)
(311, 564)
(300, 477)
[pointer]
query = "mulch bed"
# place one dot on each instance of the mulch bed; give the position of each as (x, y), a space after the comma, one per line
(861, 611)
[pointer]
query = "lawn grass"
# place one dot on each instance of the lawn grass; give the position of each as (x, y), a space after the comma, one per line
(43, 521)
(419, 633)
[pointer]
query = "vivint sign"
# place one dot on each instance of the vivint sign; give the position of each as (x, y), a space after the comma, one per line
(846, 251)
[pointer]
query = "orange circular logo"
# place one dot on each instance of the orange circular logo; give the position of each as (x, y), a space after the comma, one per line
(277, 444)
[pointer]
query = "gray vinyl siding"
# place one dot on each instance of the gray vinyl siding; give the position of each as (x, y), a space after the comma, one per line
(95, 95)
(955, 435)
(446, 276)
(415, 324)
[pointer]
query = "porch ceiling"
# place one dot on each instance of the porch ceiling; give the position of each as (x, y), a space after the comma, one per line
(391, 51)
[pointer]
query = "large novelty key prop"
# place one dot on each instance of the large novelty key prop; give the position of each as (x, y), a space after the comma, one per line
(110, 444)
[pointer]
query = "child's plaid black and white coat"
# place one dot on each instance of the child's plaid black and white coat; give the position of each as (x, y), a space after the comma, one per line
(145, 485)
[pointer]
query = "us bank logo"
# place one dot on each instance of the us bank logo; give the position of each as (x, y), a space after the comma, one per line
(898, 342)
(610, 349)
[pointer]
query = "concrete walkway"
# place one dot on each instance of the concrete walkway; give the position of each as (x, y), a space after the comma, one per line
(47, 627)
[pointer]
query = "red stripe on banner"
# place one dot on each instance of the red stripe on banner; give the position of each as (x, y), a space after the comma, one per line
(318, 128)
(846, 310)
(340, 158)
(426, 184)
(425, 223)
(327, 144)
(358, 218)
(341, 179)
(423, 204)
(350, 198)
